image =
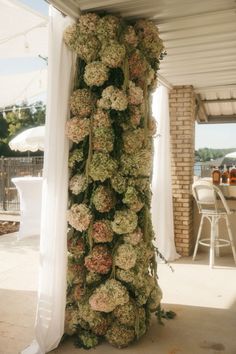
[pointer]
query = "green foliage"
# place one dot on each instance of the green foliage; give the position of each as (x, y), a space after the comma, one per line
(207, 154)
(17, 119)
(162, 314)
(86, 339)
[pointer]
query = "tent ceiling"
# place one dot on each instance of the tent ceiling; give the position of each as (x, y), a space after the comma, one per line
(200, 38)
(17, 88)
(23, 32)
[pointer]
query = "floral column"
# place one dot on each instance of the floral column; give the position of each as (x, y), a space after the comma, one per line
(112, 281)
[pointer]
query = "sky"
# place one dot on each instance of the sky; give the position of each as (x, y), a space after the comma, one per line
(217, 136)
(38, 5)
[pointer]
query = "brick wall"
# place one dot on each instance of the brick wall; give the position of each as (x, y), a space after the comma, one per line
(182, 131)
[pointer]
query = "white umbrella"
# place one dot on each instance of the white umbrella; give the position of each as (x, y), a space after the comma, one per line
(29, 140)
(229, 159)
(231, 155)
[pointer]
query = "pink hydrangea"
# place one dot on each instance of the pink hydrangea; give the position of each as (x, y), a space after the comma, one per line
(135, 94)
(99, 260)
(102, 231)
(77, 129)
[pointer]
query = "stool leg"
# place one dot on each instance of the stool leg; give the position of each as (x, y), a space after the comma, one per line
(217, 239)
(198, 238)
(231, 238)
(212, 242)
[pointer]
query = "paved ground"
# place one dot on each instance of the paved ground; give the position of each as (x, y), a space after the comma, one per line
(204, 300)
(18, 284)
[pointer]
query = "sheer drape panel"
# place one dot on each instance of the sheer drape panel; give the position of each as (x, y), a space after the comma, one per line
(53, 249)
(162, 204)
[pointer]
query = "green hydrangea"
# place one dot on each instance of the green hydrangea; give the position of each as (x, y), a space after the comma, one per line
(126, 313)
(127, 276)
(92, 277)
(154, 298)
(71, 320)
(102, 166)
(120, 336)
(75, 156)
(103, 199)
(86, 339)
(107, 27)
(108, 296)
(119, 183)
(125, 256)
(131, 198)
(103, 139)
(113, 54)
(97, 321)
(133, 140)
(138, 164)
(125, 221)
(143, 289)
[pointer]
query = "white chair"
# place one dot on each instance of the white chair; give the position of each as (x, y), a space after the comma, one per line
(213, 207)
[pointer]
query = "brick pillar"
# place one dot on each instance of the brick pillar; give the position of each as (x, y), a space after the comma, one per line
(182, 131)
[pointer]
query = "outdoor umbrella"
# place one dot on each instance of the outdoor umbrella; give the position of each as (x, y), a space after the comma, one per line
(229, 159)
(29, 140)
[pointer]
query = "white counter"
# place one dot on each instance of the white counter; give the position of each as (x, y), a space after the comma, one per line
(30, 193)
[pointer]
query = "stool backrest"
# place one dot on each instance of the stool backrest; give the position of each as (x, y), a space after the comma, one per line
(207, 196)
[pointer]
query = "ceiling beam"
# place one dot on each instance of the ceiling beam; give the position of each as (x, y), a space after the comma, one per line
(193, 17)
(222, 119)
(215, 89)
(201, 110)
(219, 100)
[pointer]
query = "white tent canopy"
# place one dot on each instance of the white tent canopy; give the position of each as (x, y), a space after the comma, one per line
(17, 88)
(23, 32)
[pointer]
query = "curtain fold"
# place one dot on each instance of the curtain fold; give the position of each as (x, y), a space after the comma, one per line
(49, 326)
(162, 204)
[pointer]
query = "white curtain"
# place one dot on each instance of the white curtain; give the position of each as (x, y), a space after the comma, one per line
(49, 326)
(162, 205)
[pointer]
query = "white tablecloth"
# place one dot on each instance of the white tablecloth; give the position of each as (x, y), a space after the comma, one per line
(30, 193)
(228, 190)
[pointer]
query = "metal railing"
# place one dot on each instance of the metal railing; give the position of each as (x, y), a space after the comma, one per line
(16, 167)
(202, 170)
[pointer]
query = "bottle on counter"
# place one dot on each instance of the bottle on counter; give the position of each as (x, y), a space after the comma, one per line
(216, 175)
(232, 176)
(225, 175)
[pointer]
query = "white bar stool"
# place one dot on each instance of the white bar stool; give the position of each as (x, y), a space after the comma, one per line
(213, 207)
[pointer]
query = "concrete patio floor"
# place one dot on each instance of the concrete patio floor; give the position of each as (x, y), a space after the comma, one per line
(204, 300)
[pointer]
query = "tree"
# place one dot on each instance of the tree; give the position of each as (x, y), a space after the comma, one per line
(207, 154)
(15, 120)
